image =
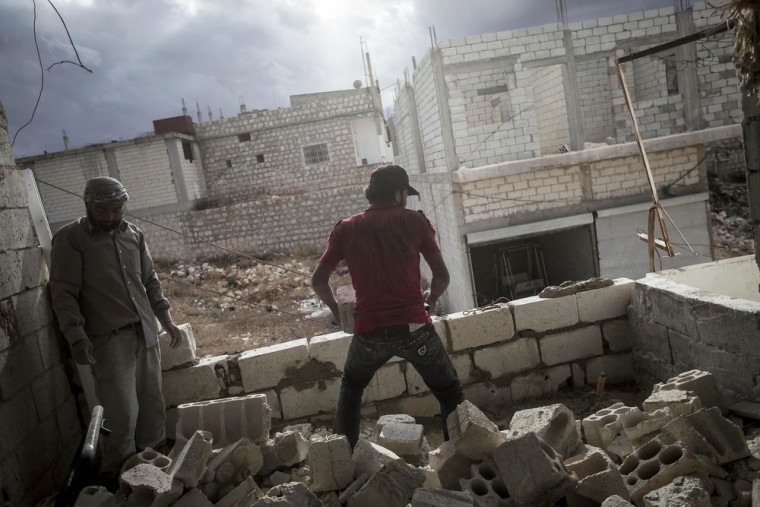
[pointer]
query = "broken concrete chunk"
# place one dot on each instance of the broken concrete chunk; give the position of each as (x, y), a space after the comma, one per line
(449, 464)
(393, 419)
(294, 494)
(369, 457)
(190, 465)
(183, 353)
(93, 496)
(473, 434)
(616, 501)
(598, 477)
(228, 419)
(392, 486)
(145, 484)
(601, 428)
(686, 491)
(440, 498)
(640, 426)
(555, 424)
(679, 402)
(532, 470)
(701, 383)
(404, 439)
(329, 460)
(149, 456)
(194, 498)
(726, 438)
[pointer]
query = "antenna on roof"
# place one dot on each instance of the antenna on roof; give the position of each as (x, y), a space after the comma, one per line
(562, 13)
(184, 108)
(241, 100)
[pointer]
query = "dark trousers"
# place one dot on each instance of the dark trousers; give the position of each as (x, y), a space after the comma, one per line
(422, 348)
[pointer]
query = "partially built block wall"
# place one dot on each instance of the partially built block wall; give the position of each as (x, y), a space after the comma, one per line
(503, 353)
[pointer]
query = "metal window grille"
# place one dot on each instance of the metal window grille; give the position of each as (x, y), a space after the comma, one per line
(316, 154)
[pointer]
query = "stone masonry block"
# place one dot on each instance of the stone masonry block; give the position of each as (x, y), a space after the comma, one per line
(17, 231)
(542, 314)
(508, 358)
(392, 486)
(618, 335)
(184, 353)
(310, 398)
(601, 428)
(679, 402)
(571, 345)
(329, 460)
(228, 419)
(598, 476)
(12, 188)
(330, 348)
(198, 382)
(473, 434)
(267, 366)
(532, 470)
(605, 303)
(687, 490)
(476, 329)
(189, 465)
(617, 368)
(701, 383)
(555, 424)
(654, 465)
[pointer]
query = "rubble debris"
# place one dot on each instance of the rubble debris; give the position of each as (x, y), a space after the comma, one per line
(670, 451)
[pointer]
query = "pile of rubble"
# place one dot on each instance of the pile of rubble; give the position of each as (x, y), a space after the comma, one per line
(729, 214)
(680, 448)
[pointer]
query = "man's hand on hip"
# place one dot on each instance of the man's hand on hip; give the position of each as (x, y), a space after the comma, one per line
(82, 352)
(175, 333)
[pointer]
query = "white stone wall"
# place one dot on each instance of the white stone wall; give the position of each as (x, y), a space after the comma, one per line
(524, 349)
(649, 78)
(405, 150)
(551, 109)
(595, 98)
(429, 116)
(146, 172)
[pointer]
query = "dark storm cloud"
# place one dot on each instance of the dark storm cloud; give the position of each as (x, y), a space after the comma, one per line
(146, 55)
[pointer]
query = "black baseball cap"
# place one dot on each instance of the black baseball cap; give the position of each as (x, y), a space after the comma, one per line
(392, 175)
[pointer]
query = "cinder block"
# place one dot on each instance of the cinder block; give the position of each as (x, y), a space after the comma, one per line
(424, 497)
(508, 358)
(388, 382)
(601, 428)
(329, 460)
(571, 345)
(605, 303)
(618, 335)
(309, 399)
(228, 419)
(95, 496)
(478, 328)
(392, 485)
(640, 426)
(198, 382)
(330, 349)
(147, 456)
(542, 314)
(473, 434)
(245, 493)
(369, 457)
(449, 465)
(532, 470)
(687, 490)
(425, 405)
(183, 354)
(234, 463)
(193, 498)
(285, 449)
(403, 439)
(654, 465)
(555, 424)
(484, 484)
(265, 367)
(598, 477)
(699, 382)
(679, 402)
(720, 438)
(190, 464)
(147, 485)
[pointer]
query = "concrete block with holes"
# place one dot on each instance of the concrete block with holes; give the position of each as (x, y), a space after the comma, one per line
(555, 424)
(147, 456)
(228, 419)
(329, 460)
(476, 328)
(701, 383)
(640, 426)
(601, 427)
(265, 367)
(183, 353)
(235, 462)
(484, 484)
(598, 476)
(424, 497)
(285, 449)
(532, 471)
(708, 432)
(473, 434)
(198, 382)
(655, 464)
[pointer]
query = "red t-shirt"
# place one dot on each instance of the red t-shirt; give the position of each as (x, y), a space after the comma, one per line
(382, 247)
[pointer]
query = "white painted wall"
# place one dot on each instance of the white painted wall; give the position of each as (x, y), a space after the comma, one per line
(737, 278)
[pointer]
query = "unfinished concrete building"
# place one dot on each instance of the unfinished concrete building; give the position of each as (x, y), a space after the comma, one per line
(521, 142)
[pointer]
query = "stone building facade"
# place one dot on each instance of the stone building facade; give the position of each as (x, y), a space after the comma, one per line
(487, 120)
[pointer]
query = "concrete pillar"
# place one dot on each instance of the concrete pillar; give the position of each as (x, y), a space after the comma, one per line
(688, 84)
(174, 149)
(751, 134)
(415, 120)
(113, 166)
(572, 101)
(442, 98)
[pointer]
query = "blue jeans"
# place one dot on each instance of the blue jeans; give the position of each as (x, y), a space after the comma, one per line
(369, 351)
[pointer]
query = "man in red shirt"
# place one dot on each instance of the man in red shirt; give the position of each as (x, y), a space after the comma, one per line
(382, 247)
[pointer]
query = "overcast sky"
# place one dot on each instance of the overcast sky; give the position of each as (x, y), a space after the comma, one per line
(146, 55)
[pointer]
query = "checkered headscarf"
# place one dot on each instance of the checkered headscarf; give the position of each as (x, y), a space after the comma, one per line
(105, 189)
